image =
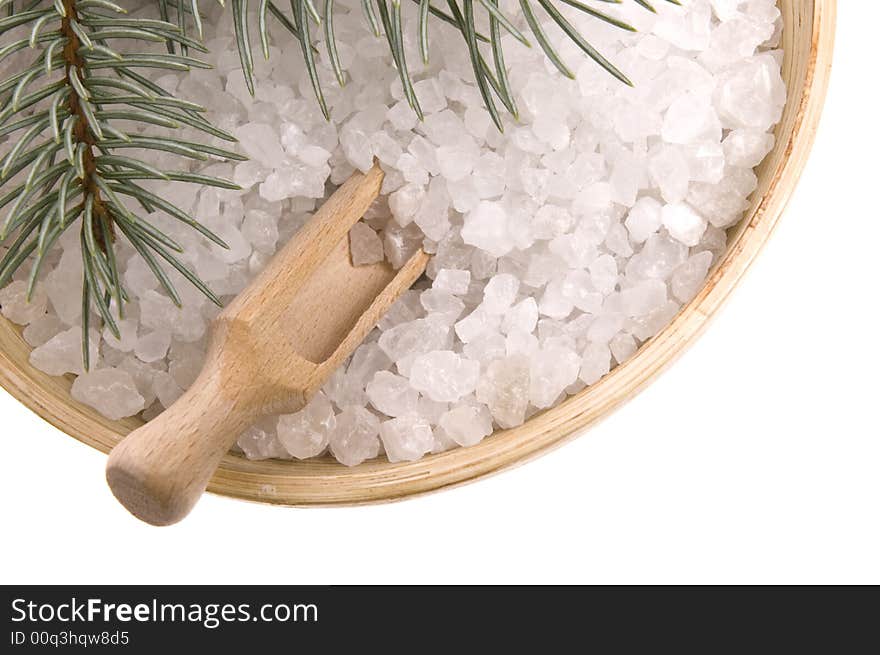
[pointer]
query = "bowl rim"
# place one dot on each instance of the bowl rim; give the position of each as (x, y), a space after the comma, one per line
(321, 482)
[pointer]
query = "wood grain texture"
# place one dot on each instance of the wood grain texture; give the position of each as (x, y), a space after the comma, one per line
(271, 349)
(808, 40)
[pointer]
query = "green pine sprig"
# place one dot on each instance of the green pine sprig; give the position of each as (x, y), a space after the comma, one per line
(76, 156)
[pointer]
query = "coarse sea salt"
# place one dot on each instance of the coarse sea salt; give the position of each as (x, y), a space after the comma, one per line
(558, 247)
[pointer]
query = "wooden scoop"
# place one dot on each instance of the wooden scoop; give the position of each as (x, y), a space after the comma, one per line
(271, 349)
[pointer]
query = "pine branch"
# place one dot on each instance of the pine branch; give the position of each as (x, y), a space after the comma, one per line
(69, 165)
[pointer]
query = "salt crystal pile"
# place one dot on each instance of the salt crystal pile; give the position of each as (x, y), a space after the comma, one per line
(559, 246)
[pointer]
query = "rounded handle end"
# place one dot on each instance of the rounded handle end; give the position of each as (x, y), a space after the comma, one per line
(159, 471)
(149, 503)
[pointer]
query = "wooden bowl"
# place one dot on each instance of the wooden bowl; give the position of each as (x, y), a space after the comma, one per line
(808, 40)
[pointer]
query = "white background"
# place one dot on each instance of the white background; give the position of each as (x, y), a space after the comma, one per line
(755, 459)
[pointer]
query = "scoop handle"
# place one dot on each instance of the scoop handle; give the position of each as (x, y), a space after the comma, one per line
(160, 470)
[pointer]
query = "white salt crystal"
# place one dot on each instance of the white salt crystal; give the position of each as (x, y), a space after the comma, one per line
(577, 287)
(343, 390)
(483, 265)
(144, 376)
(486, 228)
(466, 425)
(651, 47)
(153, 346)
(431, 410)
(248, 173)
(366, 246)
(687, 31)
(647, 326)
(185, 362)
(550, 221)
(658, 258)
(520, 342)
(63, 353)
(726, 9)
(477, 122)
(238, 247)
(552, 370)
(554, 301)
(128, 335)
(706, 162)
(432, 216)
(261, 442)
(42, 329)
(17, 308)
(405, 202)
(402, 116)
(261, 143)
(689, 119)
(688, 278)
(313, 156)
(408, 307)
(623, 346)
(307, 432)
(643, 298)
(159, 313)
(478, 323)
(442, 305)
(604, 274)
(684, 224)
(367, 360)
(595, 363)
(392, 394)
(401, 243)
(166, 388)
(413, 338)
(603, 329)
(111, 391)
(425, 154)
(463, 194)
(138, 277)
(356, 146)
(751, 94)
(575, 250)
(488, 176)
(486, 348)
(385, 148)
(412, 169)
(746, 147)
(444, 127)
(354, 439)
(617, 240)
(504, 388)
(627, 177)
(261, 230)
(722, 204)
(522, 316)
(552, 131)
(236, 86)
(644, 219)
(714, 240)
(499, 293)
(457, 160)
(452, 280)
(64, 287)
(444, 376)
(406, 438)
(669, 170)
